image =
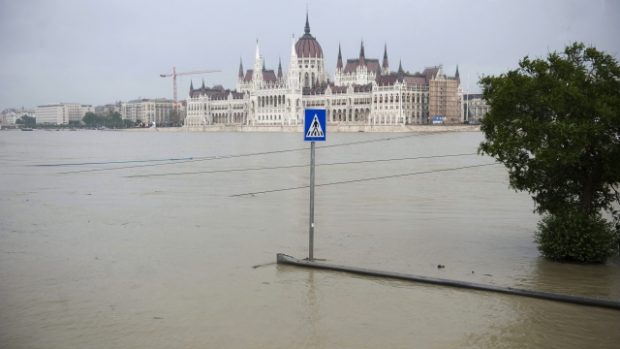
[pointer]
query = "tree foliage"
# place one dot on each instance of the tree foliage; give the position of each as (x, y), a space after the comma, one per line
(555, 124)
(27, 121)
(110, 120)
(576, 237)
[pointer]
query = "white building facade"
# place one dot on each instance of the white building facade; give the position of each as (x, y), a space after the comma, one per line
(9, 116)
(62, 113)
(364, 91)
(475, 107)
(148, 110)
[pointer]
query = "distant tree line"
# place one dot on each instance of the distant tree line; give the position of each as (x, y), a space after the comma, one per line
(109, 120)
(26, 121)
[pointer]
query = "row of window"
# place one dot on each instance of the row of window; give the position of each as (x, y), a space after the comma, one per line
(271, 100)
(269, 117)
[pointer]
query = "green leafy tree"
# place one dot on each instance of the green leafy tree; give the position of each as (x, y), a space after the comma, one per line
(27, 121)
(91, 119)
(113, 120)
(555, 124)
(175, 117)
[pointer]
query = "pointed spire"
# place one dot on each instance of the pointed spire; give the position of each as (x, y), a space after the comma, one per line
(293, 51)
(307, 27)
(203, 84)
(400, 67)
(456, 75)
(279, 68)
(362, 55)
(191, 87)
(257, 50)
(385, 58)
(240, 68)
(263, 65)
(339, 63)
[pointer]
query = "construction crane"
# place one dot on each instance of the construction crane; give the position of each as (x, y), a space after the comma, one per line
(174, 75)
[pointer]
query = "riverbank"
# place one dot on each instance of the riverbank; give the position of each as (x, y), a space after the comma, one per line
(330, 128)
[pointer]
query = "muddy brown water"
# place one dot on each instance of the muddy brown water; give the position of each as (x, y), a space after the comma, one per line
(131, 256)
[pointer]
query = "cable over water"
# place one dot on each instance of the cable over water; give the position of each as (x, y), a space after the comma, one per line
(109, 162)
(408, 174)
(296, 166)
(174, 161)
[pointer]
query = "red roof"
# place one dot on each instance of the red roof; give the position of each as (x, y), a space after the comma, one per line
(371, 64)
(429, 73)
(415, 80)
(387, 80)
(308, 47)
(216, 93)
(409, 79)
(269, 75)
(248, 75)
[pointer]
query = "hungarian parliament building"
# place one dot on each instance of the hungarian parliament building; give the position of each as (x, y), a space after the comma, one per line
(364, 91)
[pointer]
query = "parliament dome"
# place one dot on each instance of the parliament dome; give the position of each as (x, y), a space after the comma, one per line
(307, 46)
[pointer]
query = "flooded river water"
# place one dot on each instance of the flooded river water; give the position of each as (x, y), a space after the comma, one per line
(163, 255)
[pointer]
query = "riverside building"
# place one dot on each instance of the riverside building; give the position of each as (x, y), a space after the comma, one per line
(62, 113)
(475, 107)
(364, 91)
(148, 111)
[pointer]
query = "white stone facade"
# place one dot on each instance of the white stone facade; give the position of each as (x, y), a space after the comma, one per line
(62, 113)
(364, 92)
(10, 116)
(475, 108)
(148, 110)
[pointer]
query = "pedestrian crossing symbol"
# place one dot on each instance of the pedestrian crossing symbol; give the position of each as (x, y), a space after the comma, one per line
(315, 129)
(314, 125)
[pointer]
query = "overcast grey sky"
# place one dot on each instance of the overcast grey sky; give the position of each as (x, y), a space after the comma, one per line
(97, 52)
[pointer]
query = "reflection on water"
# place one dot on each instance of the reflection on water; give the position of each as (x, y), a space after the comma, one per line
(130, 258)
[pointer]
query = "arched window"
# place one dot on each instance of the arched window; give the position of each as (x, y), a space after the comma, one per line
(306, 84)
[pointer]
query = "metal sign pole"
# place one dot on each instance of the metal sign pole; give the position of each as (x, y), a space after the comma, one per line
(311, 220)
(315, 129)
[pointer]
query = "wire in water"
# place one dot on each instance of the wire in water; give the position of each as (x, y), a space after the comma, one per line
(295, 166)
(365, 179)
(173, 161)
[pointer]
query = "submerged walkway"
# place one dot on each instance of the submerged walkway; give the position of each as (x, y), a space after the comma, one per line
(602, 303)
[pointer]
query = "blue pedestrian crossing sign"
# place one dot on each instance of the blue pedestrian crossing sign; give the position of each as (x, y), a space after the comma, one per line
(315, 126)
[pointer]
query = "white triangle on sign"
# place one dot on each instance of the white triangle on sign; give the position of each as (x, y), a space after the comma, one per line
(315, 130)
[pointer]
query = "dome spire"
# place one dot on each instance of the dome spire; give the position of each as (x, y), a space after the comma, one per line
(307, 46)
(240, 68)
(307, 27)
